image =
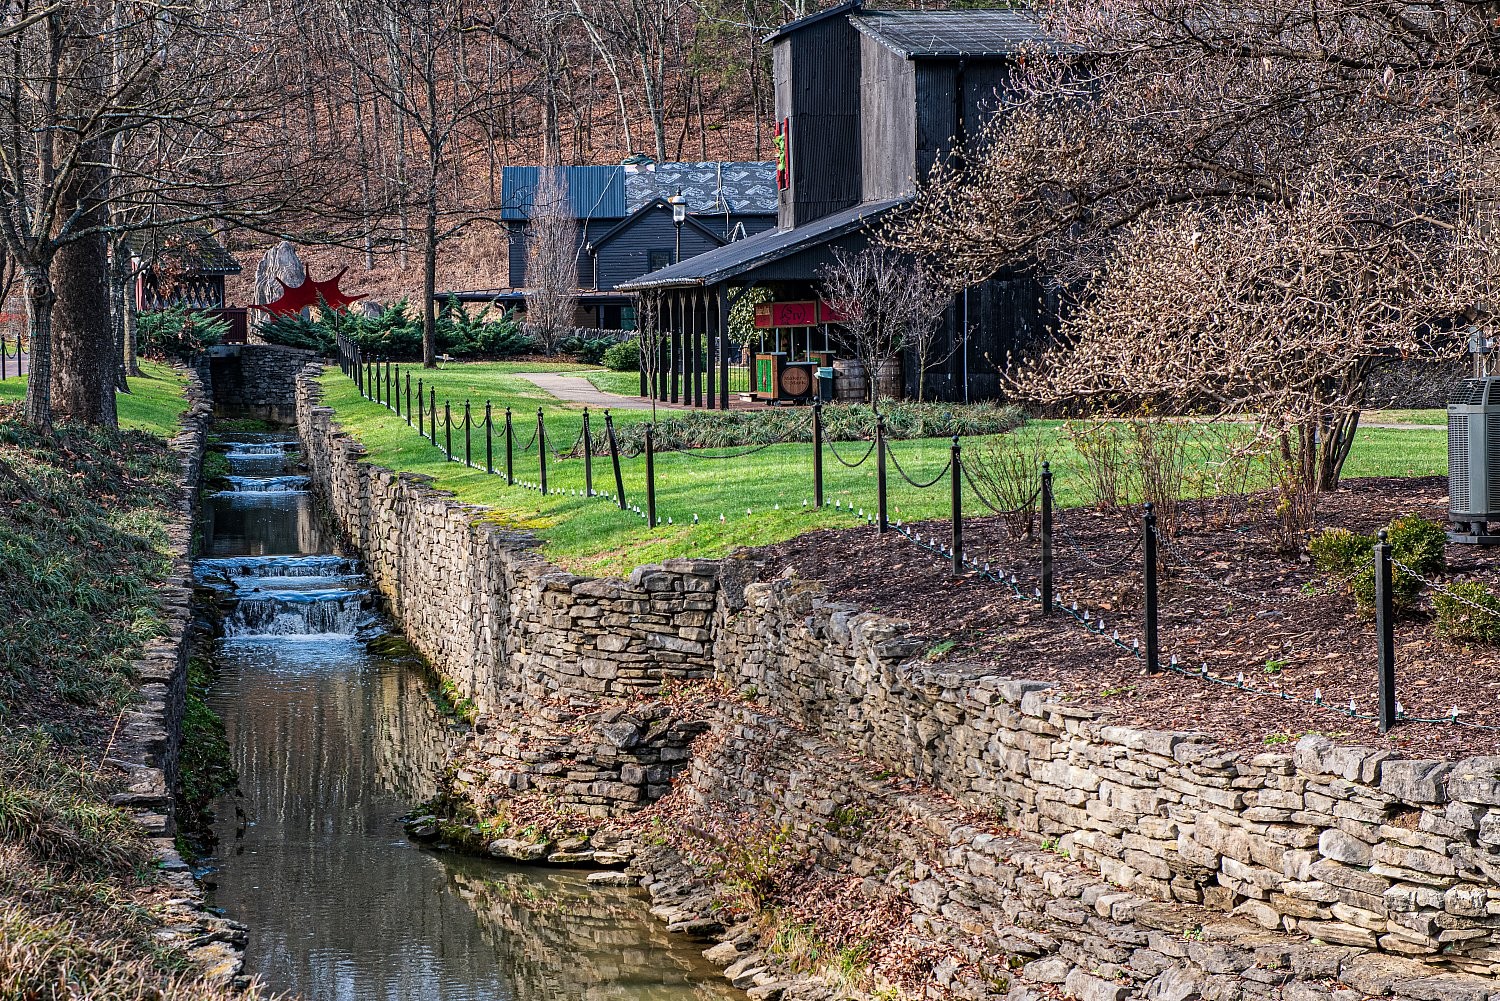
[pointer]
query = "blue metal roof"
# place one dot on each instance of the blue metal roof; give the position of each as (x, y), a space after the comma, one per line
(595, 192)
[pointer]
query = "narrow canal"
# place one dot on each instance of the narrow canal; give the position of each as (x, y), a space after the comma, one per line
(333, 744)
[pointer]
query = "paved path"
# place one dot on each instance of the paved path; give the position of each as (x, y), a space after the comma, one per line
(577, 389)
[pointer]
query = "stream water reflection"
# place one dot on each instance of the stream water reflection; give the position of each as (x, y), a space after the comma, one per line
(333, 744)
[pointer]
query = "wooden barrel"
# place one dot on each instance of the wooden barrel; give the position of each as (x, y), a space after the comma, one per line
(848, 380)
(888, 380)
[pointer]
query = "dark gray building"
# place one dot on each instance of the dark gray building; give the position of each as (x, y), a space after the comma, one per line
(866, 102)
(625, 225)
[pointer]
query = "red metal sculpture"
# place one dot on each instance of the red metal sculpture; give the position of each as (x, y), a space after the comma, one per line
(309, 293)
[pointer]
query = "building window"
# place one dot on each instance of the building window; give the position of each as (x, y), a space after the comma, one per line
(627, 317)
(658, 259)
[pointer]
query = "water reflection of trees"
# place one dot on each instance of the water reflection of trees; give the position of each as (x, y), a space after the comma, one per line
(556, 930)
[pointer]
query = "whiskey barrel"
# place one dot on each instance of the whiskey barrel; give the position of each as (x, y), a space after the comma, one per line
(849, 380)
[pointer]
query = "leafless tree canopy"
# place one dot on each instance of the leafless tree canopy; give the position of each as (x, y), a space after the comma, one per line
(1251, 203)
(890, 303)
(551, 261)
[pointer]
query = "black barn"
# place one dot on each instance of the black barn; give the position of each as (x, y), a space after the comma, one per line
(866, 102)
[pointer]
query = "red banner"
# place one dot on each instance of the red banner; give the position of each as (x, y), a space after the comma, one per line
(795, 314)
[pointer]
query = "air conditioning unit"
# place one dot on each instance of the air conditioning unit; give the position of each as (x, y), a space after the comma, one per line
(1474, 461)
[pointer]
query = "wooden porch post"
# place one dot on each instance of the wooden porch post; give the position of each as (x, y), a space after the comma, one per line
(721, 296)
(700, 317)
(708, 337)
(676, 340)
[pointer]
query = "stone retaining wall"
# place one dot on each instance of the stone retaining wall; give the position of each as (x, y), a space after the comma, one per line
(1349, 847)
(257, 380)
(149, 743)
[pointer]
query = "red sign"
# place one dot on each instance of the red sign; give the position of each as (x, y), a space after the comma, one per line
(795, 314)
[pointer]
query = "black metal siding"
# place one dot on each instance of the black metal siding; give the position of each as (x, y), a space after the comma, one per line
(817, 72)
(516, 251)
(627, 256)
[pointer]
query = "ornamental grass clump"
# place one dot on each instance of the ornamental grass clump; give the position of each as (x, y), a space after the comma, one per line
(904, 420)
(1416, 549)
(1466, 610)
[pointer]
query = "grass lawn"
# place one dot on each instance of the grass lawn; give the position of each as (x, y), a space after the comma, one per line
(155, 403)
(759, 496)
(1430, 417)
(621, 383)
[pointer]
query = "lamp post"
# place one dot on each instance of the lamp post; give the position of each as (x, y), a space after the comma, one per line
(679, 216)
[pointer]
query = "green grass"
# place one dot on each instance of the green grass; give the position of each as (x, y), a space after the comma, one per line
(1434, 418)
(155, 403)
(619, 383)
(594, 536)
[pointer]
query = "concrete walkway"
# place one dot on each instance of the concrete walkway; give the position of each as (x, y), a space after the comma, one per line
(577, 389)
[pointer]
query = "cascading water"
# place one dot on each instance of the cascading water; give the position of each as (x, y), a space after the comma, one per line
(333, 744)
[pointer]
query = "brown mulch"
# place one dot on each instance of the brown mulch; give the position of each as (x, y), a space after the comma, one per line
(1300, 647)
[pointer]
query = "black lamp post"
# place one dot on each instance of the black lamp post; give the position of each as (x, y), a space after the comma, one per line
(679, 216)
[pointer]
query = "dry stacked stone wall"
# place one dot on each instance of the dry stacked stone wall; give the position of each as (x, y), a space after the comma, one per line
(257, 380)
(1353, 859)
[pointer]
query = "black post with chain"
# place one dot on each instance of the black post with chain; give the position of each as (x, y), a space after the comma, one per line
(817, 455)
(614, 457)
(588, 457)
(1047, 598)
(489, 441)
(956, 472)
(408, 397)
(448, 429)
(882, 522)
(1148, 546)
(468, 428)
(1385, 632)
(541, 447)
(432, 413)
(510, 450)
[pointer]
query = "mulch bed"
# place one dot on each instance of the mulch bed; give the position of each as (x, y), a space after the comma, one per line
(1299, 647)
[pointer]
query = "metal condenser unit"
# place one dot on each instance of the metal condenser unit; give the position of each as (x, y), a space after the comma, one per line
(1474, 461)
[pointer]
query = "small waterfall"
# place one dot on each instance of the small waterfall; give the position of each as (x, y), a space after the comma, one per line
(328, 611)
(265, 484)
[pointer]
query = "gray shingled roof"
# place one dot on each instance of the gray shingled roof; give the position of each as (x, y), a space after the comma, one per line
(744, 256)
(954, 33)
(709, 187)
(193, 246)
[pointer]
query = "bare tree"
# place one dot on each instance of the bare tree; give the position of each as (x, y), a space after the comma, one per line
(1247, 210)
(890, 304)
(551, 260)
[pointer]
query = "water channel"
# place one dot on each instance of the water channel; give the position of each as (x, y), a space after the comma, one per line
(333, 744)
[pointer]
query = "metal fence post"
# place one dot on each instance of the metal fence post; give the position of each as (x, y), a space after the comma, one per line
(397, 396)
(588, 457)
(408, 397)
(1385, 632)
(1148, 546)
(489, 440)
(956, 474)
(387, 383)
(421, 411)
(541, 447)
(510, 455)
(1047, 598)
(432, 413)
(448, 429)
(817, 455)
(468, 427)
(614, 457)
(882, 522)
(650, 476)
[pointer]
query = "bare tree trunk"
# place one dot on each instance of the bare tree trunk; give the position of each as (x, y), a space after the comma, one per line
(39, 298)
(429, 278)
(85, 355)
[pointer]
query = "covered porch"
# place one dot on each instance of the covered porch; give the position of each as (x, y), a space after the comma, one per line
(782, 351)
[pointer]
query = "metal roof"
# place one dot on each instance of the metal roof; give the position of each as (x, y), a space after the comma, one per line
(735, 259)
(952, 33)
(710, 187)
(594, 192)
(194, 247)
(822, 15)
